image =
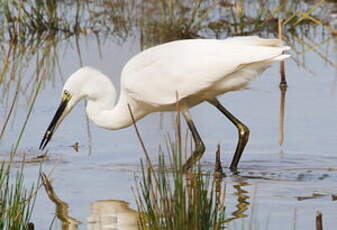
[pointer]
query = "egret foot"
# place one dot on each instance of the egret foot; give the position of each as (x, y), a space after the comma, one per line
(234, 170)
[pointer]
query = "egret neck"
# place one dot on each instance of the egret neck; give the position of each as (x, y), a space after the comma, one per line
(109, 116)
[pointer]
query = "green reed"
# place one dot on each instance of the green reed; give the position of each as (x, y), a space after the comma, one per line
(170, 199)
(17, 202)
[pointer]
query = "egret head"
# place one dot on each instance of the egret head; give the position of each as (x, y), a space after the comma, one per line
(69, 99)
(85, 82)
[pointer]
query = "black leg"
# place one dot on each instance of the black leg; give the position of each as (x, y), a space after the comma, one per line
(199, 145)
(243, 133)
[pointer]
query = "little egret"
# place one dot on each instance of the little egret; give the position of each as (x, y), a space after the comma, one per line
(196, 70)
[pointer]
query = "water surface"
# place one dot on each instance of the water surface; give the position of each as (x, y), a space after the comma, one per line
(283, 184)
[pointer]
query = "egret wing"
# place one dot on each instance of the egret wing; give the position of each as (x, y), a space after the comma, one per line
(188, 67)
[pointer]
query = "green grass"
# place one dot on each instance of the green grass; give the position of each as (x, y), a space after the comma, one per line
(17, 202)
(169, 199)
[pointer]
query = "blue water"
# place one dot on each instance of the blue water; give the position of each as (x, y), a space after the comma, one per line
(105, 166)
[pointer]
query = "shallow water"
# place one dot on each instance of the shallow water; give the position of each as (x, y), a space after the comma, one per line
(277, 177)
(285, 184)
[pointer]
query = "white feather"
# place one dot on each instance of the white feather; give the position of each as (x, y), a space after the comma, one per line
(197, 69)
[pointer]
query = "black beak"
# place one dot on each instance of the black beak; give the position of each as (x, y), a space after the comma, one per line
(53, 124)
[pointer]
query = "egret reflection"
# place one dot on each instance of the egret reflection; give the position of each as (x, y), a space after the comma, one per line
(112, 215)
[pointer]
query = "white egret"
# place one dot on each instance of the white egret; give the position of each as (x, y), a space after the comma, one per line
(196, 70)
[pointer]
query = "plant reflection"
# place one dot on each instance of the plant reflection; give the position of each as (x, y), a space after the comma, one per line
(105, 214)
(62, 208)
(242, 199)
(116, 214)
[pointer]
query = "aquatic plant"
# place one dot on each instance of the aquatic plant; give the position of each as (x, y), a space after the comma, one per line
(17, 202)
(169, 199)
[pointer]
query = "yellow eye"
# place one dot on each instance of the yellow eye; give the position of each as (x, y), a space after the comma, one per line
(66, 95)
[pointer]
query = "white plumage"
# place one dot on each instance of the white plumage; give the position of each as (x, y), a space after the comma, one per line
(196, 70)
(200, 68)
